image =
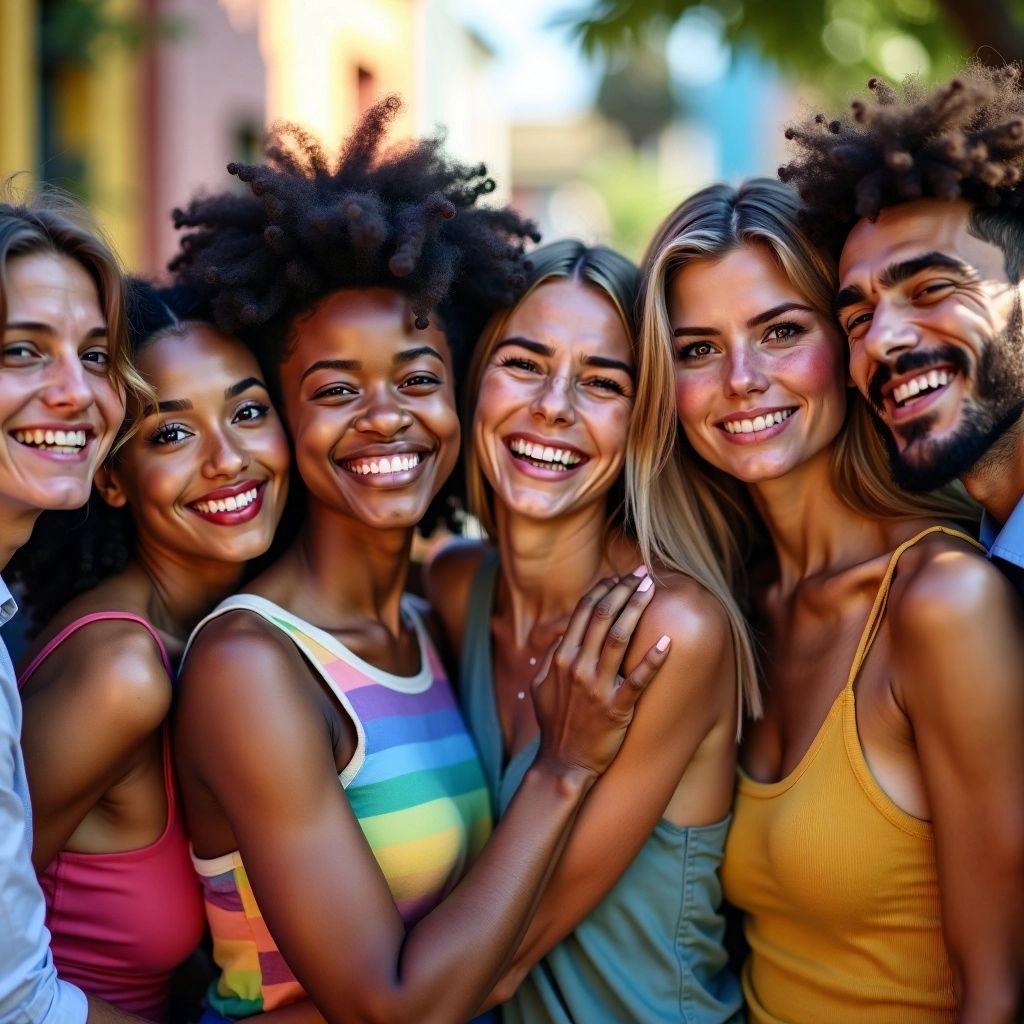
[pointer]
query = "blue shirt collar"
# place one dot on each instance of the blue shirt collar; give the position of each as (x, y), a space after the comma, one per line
(1006, 541)
(8, 607)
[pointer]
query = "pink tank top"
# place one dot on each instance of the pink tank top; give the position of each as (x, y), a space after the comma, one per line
(121, 922)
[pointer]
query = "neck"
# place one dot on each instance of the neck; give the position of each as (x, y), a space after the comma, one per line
(811, 528)
(351, 568)
(14, 532)
(184, 588)
(996, 480)
(547, 565)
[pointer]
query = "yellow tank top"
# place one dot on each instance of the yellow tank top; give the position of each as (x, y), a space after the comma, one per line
(838, 884)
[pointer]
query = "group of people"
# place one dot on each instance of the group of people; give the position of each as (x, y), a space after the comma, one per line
(746, 627)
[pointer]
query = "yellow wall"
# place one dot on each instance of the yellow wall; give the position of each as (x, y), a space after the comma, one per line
(18, 86)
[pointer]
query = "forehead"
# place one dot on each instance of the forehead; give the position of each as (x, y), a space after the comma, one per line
(366, 325)
(745, 281)
(912, 229)
(187, 362)
(47, 284)
(568, 312)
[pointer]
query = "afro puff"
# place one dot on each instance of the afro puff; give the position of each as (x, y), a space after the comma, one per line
(963, 140)
(405, 218)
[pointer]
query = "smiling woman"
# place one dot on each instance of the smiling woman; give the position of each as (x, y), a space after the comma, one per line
(169, 529)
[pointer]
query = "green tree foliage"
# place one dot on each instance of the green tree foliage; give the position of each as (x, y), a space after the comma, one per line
(834, 43)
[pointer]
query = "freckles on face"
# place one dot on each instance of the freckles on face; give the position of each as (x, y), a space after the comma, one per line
(555, 398)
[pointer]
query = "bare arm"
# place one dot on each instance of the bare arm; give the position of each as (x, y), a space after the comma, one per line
(262, 748)
(103, 1013)
(110, 694)
(959, 635)
(693, 695)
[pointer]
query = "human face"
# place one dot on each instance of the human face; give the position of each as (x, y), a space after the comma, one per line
(554, 402)
(936, 343)
(59, 406)
(206, 473)
(369, 401)
(760, 374)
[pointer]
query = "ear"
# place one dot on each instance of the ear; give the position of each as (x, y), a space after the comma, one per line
(109, 486)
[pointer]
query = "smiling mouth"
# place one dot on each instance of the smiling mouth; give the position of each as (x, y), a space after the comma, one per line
(919, 386)
(382, 466)
(757, 423)
(234, 503)
(544, 456)
(64, 442)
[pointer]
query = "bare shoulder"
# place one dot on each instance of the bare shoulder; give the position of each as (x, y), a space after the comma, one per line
(686, 611)
(944, 582)
(449, 578)
(115, 668)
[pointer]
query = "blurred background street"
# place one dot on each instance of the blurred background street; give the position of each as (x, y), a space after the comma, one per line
(594, 116)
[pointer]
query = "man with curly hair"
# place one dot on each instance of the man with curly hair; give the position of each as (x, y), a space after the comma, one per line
(919, 195)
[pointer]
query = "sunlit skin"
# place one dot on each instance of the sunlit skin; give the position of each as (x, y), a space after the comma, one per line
(214, 437)
(362, 384)
(54, 375)
(947, 608)
(765, 352)
(561, 376)
(214, 429)
(912, 280)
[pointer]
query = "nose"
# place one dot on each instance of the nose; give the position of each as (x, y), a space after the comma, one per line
(224, 457)
(554, 400)
(68, 385)
(890, 332)
(746, 372)
(383, 414)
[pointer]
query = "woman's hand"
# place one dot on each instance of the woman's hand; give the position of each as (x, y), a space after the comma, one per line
(583, 704)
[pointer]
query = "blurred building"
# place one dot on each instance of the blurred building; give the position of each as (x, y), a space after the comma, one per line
(137, 104)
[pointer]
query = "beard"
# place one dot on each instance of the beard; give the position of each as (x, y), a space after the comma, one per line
(994, 407)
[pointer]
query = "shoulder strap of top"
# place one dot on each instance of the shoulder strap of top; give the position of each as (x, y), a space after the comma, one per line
(85, 620)
(478, 613)
(871, 627)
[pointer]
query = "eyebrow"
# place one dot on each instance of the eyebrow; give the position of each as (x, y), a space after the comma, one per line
(897, 273)
(41, 328)
(175, 405)
(540, 349)
(352, 365)
(754, 321)
(244, 385)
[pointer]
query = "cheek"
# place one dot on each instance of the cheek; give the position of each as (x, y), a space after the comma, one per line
(694, 394)
(110, 399)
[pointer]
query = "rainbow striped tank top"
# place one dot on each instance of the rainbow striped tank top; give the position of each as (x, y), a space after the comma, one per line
(414, 783)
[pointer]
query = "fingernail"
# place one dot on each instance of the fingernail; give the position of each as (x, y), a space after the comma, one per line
(645, 586)
(663, 643)
(640, 570)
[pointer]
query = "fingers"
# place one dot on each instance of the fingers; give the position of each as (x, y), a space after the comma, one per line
(612, 623)
(577, 628)
(637, 681)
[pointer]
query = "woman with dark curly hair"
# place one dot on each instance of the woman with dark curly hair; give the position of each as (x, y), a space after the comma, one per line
(194, 491)
(874, 792)
(337, 809)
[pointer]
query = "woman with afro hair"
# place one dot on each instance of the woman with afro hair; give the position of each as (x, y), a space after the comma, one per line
(194, 490)
(337, 809)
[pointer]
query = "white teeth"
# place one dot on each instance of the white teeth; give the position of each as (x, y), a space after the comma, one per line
(927, 381)
(758, 423)
(396, 464)
(544, 453)
(229, 504)
(63, 441)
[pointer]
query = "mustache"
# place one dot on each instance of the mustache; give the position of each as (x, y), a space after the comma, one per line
(941, 355)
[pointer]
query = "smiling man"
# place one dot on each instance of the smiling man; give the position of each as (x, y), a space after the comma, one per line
(919, 196)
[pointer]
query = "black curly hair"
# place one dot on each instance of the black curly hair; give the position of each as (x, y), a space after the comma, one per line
(73, 551)
(405, 218)
(964, 139)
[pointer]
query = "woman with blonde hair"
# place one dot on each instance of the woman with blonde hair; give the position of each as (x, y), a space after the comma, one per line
(628, 928)
(863, 848)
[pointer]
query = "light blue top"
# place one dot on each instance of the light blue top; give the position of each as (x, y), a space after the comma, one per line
(30, 992)
(1006, 542)
(651, 951)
